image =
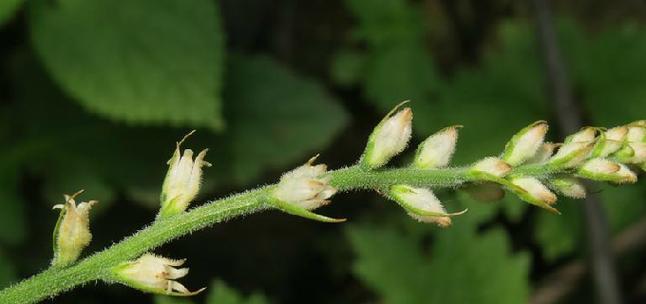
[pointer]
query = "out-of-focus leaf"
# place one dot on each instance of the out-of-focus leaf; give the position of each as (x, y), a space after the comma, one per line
(624, 205)
(462, 267)
(348, 67)
(607, 68)
(7, 272)
(502, 95)
(220, 293)
(147, 62)
(560, 234)
(8, 8)
(397, 66)
(12, 210)
(277, 117)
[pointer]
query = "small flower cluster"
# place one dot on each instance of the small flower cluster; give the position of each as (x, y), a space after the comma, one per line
(591, 153)
(390, 138)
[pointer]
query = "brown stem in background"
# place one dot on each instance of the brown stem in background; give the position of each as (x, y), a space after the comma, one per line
(570, 120)
(561, 282)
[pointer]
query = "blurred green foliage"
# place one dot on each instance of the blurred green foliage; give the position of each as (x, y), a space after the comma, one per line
(93, 95)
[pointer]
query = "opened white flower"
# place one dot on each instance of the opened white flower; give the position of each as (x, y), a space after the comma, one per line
(306, 186)
(436, 151)
(536, 192)
(524, 144)
(151, 273)
(72, 232)
(602, 169)
(388, 139)
(421, 204)
(492, 166)
(183, 179)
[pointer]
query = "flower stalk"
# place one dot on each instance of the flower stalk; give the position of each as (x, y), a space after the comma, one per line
(529, 168)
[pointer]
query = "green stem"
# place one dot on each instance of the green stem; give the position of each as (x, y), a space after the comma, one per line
(54, 281)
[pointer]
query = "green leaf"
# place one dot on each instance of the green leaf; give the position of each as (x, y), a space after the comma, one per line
(396, 267)
(12, 209)
(624, 205)
(148, 62)
(277, 117)
(607, 69)
(220, 293)
(7, 272)
(507, 80)
(8, 8)
(397, 64)
(560, 234)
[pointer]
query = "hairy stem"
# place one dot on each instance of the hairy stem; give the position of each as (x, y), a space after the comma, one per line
(54, 281)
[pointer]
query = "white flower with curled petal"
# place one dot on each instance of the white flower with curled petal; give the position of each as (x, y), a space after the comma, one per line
(72, 232)
(151, 273)
(183, 179)
(306, 186)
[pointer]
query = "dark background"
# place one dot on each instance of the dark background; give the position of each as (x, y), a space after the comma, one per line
(93, 95)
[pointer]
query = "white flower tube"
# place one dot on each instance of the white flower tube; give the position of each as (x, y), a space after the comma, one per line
(524, 144)
(182, 182)
(422, 205)
(151, 273)
(388, 139)
(72, 232)
(436, 151)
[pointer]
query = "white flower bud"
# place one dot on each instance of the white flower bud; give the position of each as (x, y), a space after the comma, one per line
(422, 205)
(388, 139)
(72, 232)
(524, 144)
(306, 186)
(436, 151)
(602, 169)
(535, 192)
(585, 135)
(636, 133)
(571, 154)
(569, 187)
(545, 151)
(632, 153)
(182, 182)
(491, 166)
(151, 273)
(610, 141)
